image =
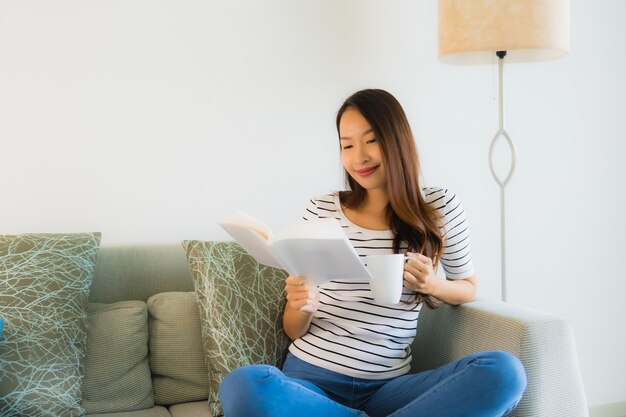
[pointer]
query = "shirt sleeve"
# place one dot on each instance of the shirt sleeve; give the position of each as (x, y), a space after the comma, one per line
(457, 256)
(311, 211)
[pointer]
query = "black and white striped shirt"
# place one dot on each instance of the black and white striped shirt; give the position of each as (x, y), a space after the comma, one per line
(350, 333)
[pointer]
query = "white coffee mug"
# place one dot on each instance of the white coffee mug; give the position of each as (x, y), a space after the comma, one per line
(387, 276)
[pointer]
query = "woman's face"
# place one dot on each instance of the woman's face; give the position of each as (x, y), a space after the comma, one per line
(361, 151)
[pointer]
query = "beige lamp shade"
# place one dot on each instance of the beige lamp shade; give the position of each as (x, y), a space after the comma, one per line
(471, 31)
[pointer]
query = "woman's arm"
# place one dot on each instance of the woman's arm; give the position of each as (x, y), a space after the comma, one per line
(302, 303)
(455, 292)
(419, 276)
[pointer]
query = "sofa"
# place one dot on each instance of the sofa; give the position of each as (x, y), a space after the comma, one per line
(154, 283)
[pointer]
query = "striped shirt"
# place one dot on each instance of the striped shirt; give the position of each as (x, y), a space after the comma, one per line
(350, 333)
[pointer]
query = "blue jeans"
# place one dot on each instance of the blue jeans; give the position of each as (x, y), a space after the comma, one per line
(481, 384)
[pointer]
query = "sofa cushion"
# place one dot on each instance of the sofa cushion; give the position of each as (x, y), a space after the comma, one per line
(194, 409)
(240, 304)
(156, 411)
(44, 286)
(179, 373)
(138, 271)
(117, 373)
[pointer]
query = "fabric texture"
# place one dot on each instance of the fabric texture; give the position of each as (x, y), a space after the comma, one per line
(137, 272)
(179, 373)
(44, 287)
(117, 374)
(156, 411)
(240, 304)
(194, 409)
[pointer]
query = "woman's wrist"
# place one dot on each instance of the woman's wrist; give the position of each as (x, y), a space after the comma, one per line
(434, 287)
(296, 322)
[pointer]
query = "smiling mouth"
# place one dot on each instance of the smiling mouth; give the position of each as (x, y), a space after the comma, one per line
(366, 172)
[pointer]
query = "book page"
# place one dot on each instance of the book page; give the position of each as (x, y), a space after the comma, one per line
(249, 222)
(321, 260)
(316, 249)
(319, 251)
(312, 229)
(253, 242)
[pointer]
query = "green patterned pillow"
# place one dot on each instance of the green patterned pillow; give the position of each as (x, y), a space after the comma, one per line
(44, 286)
(240, 304)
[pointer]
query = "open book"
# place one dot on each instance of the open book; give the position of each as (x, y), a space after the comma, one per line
(316, 249)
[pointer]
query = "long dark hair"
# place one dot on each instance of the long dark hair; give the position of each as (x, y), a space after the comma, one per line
(411, 219)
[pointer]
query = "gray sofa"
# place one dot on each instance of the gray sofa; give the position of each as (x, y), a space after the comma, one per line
(543, 342)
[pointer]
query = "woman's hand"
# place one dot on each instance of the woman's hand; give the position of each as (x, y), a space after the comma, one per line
(302, 302)
(419, 274)
(301, 296)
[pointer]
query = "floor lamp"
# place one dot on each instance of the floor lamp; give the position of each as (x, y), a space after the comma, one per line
(481, 31)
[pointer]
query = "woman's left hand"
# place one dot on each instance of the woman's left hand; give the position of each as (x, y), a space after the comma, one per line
(419, 274)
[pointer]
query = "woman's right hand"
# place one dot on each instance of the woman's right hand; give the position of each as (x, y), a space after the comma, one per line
(300, 295)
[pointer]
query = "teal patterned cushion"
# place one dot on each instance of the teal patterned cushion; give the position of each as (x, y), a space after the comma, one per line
(44, 286)
(240, 304)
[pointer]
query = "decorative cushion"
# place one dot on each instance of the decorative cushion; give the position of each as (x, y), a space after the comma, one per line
(241, 304)
(179, 373)
(117, 373)
(44, 286)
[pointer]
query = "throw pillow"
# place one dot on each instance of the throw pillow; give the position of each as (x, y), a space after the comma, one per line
(117, 373)
(241, 304)
(179, 373)
(44, 286)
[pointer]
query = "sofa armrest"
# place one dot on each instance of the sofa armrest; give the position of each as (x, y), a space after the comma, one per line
(543, 342)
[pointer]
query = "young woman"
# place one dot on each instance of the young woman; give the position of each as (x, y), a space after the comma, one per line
(351, 356)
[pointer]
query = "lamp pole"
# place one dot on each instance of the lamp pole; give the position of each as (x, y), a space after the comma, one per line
(502, 182)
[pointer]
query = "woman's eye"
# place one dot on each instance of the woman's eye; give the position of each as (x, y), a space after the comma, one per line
(346, 147)
(372, 140)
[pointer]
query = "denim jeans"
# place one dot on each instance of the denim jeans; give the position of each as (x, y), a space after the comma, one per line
(486, 384)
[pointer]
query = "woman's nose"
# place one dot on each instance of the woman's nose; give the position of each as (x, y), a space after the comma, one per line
(362, 156)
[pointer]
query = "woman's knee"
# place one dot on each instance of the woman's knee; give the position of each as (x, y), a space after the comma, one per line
(250, 374)
(245, 380)
(507, 371)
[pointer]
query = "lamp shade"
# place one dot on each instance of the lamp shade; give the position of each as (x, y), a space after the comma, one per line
(471, 31)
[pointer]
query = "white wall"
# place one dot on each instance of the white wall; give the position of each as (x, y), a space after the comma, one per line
(151, 120)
